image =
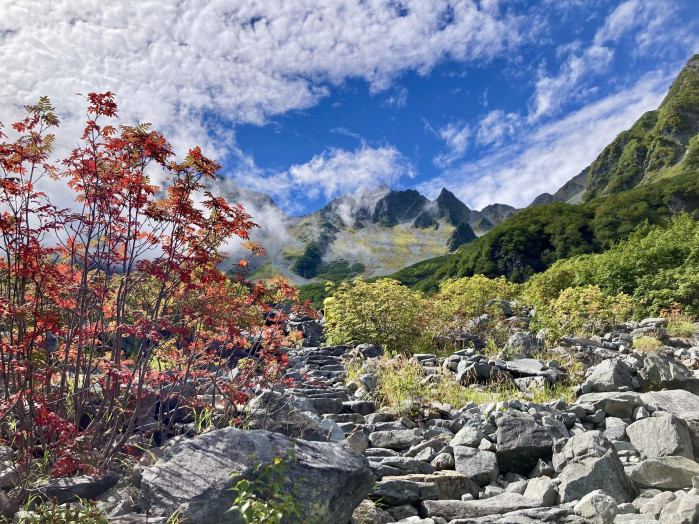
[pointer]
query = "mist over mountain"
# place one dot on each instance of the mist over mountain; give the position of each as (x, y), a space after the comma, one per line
(371, 232)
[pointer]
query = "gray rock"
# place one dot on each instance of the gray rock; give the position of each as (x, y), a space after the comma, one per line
(70, 489)
(285, 414)
(597, 508)
(368, 350)
(529, 367)
(682, 404)
(434, 444)
(468, 436)
(655, 505)
(615, 428)
(357, 441)
(523, 342)
(369, 513)
(460, 509)
(610, 375)
(452, 485)
(589, 462)
(682, 510)
(9, 505)
(543, 490)
(521, 443)
(660, 436)
(555, 515)
(406, 511)
(662, 371)
(619, 405)
(443, 461)
(395, 439)
(195, 475)
(396, 492)
(480, 466)
(665, 473)
(391, 466)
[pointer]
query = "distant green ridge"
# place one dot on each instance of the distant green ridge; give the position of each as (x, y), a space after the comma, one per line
(536, 237)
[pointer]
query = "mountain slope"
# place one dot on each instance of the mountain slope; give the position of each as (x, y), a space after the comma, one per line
(535, 238)
(371, 232)
(648, 173)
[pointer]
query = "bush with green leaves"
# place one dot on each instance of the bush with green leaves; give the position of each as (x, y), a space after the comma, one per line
(583, 311)
(466, 297)
(267, 496)
(382, 312)
(657, 266)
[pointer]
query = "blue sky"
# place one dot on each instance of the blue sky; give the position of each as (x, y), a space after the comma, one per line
(306, 100)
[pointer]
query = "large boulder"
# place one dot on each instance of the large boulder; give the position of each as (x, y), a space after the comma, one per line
(521, 442)
(660, 436)
(589, 462)
(665, 473)
(682, 510)
(196, 476)
(661, 371)
(478, 465)
(620, 405)
(682, 404)
(610, 375)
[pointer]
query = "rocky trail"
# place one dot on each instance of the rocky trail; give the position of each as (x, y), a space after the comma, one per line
(624, 452)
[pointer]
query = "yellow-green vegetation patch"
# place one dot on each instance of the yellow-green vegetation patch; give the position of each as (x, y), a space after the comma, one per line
(291, 253)
(647, 344)
(401, 384)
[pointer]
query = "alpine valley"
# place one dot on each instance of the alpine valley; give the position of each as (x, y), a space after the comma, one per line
(648, 173)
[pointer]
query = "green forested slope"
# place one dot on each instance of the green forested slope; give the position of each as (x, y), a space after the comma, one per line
(537, 237)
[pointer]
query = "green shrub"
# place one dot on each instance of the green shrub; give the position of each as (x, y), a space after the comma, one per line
(382, 312)
(583, 311)
(266, 497)
(656, 265)
(465, 298)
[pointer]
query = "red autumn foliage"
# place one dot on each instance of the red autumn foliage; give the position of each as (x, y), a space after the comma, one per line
(116, 323)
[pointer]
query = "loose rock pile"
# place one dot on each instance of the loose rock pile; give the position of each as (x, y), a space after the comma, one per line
(625, 451)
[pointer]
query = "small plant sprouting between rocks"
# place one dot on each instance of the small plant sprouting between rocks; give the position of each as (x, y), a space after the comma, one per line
(86, 512)
(266, 497)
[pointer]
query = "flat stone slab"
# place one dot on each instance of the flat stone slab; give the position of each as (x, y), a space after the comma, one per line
(530, 367)
(452, 484)
(463, 509)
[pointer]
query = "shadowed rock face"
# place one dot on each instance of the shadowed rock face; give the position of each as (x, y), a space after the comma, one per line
(195, 475)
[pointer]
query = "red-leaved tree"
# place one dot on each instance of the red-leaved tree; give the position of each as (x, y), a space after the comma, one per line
(116, 323)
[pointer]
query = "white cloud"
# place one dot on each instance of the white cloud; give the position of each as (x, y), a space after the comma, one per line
(546, 156)
(331, 174)
(456, 137)
(398, 99)
(649, 17)
(497, 126)
(174, 63)
(552, 91)
(648, 21)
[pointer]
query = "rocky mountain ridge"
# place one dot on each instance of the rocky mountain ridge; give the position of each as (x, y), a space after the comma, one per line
(658, 145)
(371, 232)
